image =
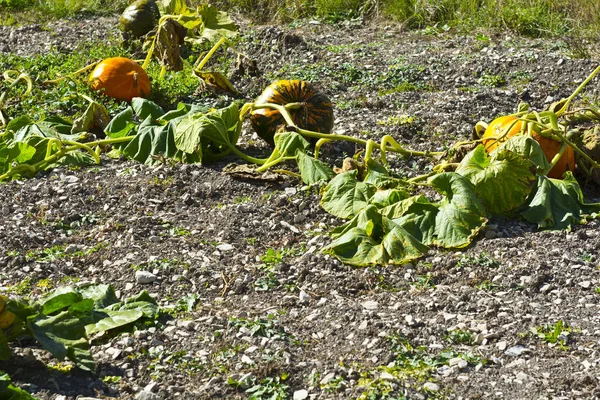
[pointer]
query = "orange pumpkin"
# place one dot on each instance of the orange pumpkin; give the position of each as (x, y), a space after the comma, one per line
(120, 78)
(493, 137)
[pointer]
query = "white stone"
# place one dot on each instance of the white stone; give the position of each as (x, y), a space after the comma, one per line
(432, 387)
(144, 277)
(301, 394)
(370, 305)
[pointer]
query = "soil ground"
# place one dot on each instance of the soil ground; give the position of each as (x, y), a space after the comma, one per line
(271, 309)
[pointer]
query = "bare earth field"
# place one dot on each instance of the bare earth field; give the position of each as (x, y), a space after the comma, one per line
(264, 306)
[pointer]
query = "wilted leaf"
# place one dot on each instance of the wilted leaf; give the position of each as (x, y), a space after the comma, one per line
(345, 196)
(461, 215)
(502, 181)
(369, 239)
(313, 170)
(217, 79)
(171, 35)
(558, 203)
(216, 24)
(94, 117)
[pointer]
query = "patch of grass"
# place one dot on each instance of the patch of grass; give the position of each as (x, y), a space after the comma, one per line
(482, 260)
(459, 336)
(556, 334)
(492, 80)
(271, 388)
(262, 327)
(164, 263)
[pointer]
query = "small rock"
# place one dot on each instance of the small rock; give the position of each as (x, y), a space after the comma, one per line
(432, 387)
(386, 376)
(327, 378)
(304, 297)
(301, 394)
(363, 325)
(144, 395)
(370, 305)
(144, 277)
(516, 350)
(585, 284)
(501, 345)
(225, 247)
(247, 360)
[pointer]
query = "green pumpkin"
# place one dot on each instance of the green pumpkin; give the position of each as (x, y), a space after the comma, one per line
(140, 17)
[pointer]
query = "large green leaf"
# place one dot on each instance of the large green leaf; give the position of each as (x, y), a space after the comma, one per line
(144, 108)
(142, 302)
(198, 131)
(529, 148)
(461, 215)
(313, 170)
(370, 238)
(60, 299)
(386, 197)
(64, 336)
(51, 127)
(287, 144)
(216, 24)
(112, 320)
(121, 125)
(103, 295)
(11, 392)
(558, 204)
(417, 215)
(502, 181)
(345, 196)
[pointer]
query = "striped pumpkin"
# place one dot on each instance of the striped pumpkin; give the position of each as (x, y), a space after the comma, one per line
(315, 115)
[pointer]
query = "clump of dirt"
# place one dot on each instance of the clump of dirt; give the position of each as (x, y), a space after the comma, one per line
(269, 308)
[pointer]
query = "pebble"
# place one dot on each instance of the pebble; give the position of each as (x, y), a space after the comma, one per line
(144, 395)
(516, 350)
(585, 284)
(370, 305)
(301, 394)
(304, 297)
(225, 247)
(432, 387)
(144, 277)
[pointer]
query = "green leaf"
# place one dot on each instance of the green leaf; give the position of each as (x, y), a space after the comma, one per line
(5, 352)
(64, 336)
(11, 392)
(18, 123)
(103, 295)
(502, 181)
(172, 7)
(143, 302)
(51, 127)
(313, 170)
(417, 215)
(121, 125)
(288, 143)
(94, 117)
(558, 204)
(112, 320)
(529, 148)
(387, 197)
(196, 132)
(370, 238)
(60, 299)
(345, 196)
(461, 215)
(378, 175)
(216, 24)
(144, 108)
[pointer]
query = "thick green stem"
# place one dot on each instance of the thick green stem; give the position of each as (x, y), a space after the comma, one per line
(208, 55)
(271, 163)
(565, 107)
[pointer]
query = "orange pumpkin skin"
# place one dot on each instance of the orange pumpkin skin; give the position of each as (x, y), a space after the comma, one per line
(549, 146)
(315, 115)
(120, 78)
(493, 138)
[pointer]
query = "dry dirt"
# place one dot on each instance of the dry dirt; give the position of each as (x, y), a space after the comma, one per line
(455, 324)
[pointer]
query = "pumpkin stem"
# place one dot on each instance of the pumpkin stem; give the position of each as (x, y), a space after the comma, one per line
(135, 79)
